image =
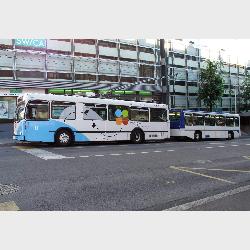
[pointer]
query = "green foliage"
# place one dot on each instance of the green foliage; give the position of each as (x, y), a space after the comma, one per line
(245, 94)
(211, 84)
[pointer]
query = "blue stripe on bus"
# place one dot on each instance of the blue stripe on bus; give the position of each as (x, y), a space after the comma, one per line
(40, 131)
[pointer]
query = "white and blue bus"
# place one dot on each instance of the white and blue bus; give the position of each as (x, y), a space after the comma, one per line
(198, 125)
(66, 119)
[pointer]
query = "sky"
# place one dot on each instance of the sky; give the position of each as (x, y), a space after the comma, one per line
(238, 49)
(232, 47)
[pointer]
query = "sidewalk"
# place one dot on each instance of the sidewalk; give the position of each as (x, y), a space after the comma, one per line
(6, 133)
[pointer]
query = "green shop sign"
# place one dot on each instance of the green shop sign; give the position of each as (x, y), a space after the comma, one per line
(15, 91)
(37, 43)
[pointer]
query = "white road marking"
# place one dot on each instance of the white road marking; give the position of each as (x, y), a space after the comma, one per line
(234, 145)
(221, 146)
(123, 145)
(218, 169)
(78, 147)
(209, 147)
(203, 161)
(9, 206)
(168, 182)
(204, 175)
(99, 155)
(157, 151)
(131, 153)
(246, 157)
(115, 154)
(42, 154)
(206, 200)
(216, 143)
(84, 156)
(144, 152)
(170, 150)
(247, 144)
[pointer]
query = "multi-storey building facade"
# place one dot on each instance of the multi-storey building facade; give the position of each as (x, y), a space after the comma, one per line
(129, 69)
(70, 66)
(185, 63)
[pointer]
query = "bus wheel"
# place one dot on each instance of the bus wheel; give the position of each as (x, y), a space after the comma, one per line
(63, 137)
(230, 135)
(137, 136)
(197, 136)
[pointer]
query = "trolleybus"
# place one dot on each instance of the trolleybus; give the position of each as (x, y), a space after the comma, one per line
(67, 119)
(199, 125)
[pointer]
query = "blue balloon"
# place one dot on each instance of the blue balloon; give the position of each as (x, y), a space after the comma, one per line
(118, 113)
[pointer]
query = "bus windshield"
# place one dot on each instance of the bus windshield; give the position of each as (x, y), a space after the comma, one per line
(20, 111)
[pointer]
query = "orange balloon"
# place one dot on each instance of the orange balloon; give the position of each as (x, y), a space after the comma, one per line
(118, 121)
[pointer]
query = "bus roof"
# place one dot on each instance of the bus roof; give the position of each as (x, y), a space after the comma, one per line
(81, 99)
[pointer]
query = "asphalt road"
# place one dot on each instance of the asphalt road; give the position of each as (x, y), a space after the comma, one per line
(171, 175)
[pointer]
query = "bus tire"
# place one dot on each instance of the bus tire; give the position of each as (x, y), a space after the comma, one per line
(137, 136)
(230, 135)
(63, 137)
(197, 136)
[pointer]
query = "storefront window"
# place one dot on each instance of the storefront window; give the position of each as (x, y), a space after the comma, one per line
(7, 107)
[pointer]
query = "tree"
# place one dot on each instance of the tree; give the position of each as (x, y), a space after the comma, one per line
(211, 84)
(245, 95)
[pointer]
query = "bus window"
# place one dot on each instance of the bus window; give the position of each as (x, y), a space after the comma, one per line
(37, 110)
(175, 116)
(158, 115)
(188, 120)
(229, 121)
(210, 120)
(63, 110)
(236, 120)
(220, 120)
(117, 112)
(93, 111)
(139, 114)
(198, 120)
(101, 110)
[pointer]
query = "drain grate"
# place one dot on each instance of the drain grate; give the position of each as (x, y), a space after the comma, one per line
(8, 189)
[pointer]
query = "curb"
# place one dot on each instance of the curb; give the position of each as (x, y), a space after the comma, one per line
(6, 143)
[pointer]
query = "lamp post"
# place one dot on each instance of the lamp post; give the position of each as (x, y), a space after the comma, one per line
(164, 71)
(235, 98)
(174, 79)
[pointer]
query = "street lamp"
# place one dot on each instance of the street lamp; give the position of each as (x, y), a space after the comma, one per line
(171, 77)
(164, 70)
(174, 79)
(235, 98)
